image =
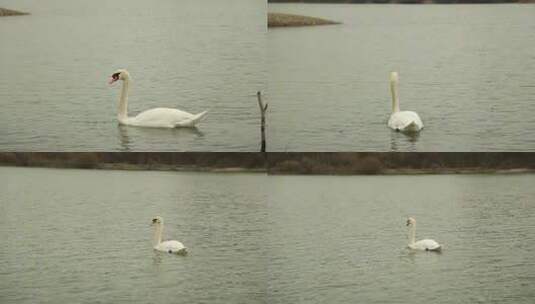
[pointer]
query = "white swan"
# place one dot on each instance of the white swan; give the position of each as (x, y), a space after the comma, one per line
(404, 121)
(166, 246)
(157, 117)
(427, 245)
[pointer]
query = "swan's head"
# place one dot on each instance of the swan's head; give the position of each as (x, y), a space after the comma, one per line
(120, 74)
(411, 221)
(394, 77)
(157, 220)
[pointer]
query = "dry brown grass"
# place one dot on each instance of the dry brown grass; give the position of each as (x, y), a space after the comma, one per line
(285, 20)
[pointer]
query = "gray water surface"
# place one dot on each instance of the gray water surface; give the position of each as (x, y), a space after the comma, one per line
(83, 236)
(342, 239)
(192, 55)
(468, 70)
(73, 236)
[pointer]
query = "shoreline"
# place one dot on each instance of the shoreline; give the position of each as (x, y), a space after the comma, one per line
(139, 161)
(4, 12)
(392, 163)
(280, 163)
(136, 168)
(238, 170)
(403, 1)
(394, 172)
(291, 20)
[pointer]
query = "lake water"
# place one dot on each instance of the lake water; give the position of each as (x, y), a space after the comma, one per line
(192, 55)
(468, 70)
(73, 236)
(83, 236)
(342, 239)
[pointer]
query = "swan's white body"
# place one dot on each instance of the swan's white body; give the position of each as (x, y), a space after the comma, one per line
(162, 118)
(165, 246)
(404, 121)
(171, 247)
(425, 245)
(155, 118)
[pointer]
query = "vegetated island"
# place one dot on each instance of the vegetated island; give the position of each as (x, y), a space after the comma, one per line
(351, 163)
(402, 1)
(4, 12)
(286, 20)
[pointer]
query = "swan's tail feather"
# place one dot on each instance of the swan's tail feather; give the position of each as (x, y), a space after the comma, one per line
(182, 251)
(199, 117)
(191, 122)
(412, 127)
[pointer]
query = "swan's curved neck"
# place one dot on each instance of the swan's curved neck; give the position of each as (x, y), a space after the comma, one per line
(157, 239)
(122, 112)
(395, 95)
(412, 234)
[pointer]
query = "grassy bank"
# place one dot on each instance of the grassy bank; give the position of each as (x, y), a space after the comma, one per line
(4, 12)
(403, 1)
(211, 162)
(286, 20)
(399, 163)
(283, 163)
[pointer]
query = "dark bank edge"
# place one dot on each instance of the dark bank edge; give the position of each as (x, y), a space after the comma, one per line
(402, 1)
(4, 12)
(276, 163)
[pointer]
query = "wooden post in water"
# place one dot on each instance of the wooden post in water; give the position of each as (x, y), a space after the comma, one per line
(263, 108)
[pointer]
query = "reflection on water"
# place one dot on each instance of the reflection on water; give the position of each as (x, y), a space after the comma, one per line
(157, 258)
(398, 139)
(123, 138)
(190, 55)
(467, 70)
(173, 135)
